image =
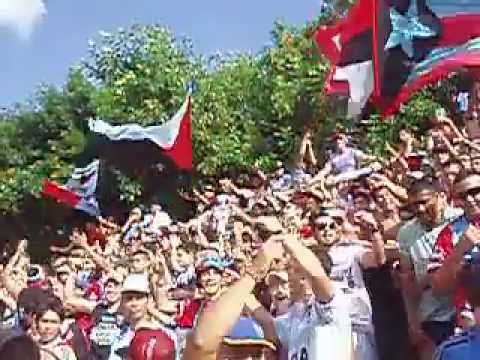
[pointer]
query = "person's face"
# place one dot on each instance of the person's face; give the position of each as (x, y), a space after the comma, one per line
(476, 164)
(140, 263)
(451, 173)
(470, 197)
(279, 289)
(404, 136)
(88, 265)
(135, 306)
(341, 143)
(49, 326)
(465, 163)
(184, 258)
(361, 203)
(279, 172)
(429, 207)
(327, 230)
(211, 282)
(112, 292)
(385, 200)
(442, 157)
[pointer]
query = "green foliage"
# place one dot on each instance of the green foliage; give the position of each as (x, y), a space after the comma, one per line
(412, 116)
(249, 110)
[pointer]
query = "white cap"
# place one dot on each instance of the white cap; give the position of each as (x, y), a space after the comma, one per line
(136, 283)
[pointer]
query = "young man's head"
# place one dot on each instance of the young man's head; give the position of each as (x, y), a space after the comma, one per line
(112, 289)
(49, 317)
(327, 229)
(140, 262)
(385, 200)
(340, 141)
(135, 292)
(467, 188)
(278, 286)
(209, 275)
(428, 201)
(185, 257)
(441, 155)
(362, 199)
(451, 171)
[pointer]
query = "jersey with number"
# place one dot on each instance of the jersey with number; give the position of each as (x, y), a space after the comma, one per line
(316, 331)
(348, 277)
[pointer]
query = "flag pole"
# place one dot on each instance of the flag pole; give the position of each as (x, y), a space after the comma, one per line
(376, 63)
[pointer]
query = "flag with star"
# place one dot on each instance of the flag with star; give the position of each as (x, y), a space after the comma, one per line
(386, 50)
(419, 42)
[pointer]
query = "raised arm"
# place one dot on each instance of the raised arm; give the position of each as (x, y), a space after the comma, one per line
(9, 280)
(308, 261)
(216, 321)
(80, 239)
(445, 280)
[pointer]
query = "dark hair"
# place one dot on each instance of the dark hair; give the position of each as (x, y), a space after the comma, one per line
(18, 346)
(52, 303)
(425, 184)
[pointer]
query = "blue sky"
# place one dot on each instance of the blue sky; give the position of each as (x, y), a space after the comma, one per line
(41, 39)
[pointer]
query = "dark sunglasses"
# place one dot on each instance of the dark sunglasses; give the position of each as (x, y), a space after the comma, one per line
(331, 225)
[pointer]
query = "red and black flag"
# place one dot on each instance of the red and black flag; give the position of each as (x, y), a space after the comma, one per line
(418, 42)
(397, 47)
(164, 146)
(347, 44)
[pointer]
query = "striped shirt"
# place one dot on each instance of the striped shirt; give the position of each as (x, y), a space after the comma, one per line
(418, 244)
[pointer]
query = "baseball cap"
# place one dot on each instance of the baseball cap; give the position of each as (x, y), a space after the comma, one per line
(247, 332)
(136, 283)
(211, 262)
(150, 344)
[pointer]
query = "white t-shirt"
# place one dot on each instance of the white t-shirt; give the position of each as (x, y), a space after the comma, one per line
(348, 277)
(316, 330)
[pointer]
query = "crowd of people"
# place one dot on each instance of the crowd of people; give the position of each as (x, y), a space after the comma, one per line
(359, 258)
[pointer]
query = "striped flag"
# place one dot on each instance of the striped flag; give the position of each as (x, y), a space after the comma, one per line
(419, 42)
(173, 138)
(386, 50)
(79, 191)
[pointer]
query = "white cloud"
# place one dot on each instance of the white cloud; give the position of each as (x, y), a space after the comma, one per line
(21, 16)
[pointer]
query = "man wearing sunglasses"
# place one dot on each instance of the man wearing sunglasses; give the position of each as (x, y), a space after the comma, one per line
(458, 243)
(349, 260)
(431, 317)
